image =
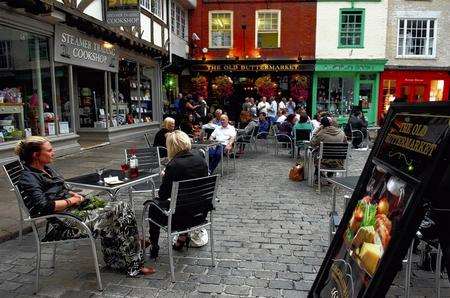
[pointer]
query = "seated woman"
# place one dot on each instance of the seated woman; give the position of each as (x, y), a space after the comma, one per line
(184, 164)
(160, 137)
(46, 193)
(287, 125)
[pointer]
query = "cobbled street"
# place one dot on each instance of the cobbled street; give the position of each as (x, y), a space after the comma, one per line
(270, 233)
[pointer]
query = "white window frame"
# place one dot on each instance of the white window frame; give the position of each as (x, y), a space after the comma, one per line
(210, 28)
(149, 7)
(173, 15)
(278, 11)
(409, 56)
(146, 4)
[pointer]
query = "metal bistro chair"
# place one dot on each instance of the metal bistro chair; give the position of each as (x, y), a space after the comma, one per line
(13, 171)
(193, 194)
(336, 151)
(356, 133)
(149, 161)
(147, 139)
(247, 139)
(302, 138)
(281, 139)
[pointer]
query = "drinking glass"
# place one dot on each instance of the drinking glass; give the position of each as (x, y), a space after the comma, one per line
(100, 173)
(124, 168)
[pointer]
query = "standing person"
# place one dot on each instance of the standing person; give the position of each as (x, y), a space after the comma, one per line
(202, 109)
(190, 106)
(160, 137)
(45, 193)
(217, 120)
(177, 103)
(183, 164)
(282, 104)
(272, 111)
(263, 105)
(246, 105)
(290, 106)
(253, 107)
(225, 134)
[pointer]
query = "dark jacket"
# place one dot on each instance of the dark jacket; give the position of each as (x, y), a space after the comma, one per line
(185, 165)
(357, 124)
(41, 190)
(160, 138)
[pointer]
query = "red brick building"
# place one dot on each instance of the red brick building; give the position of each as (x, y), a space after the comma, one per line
(246, 40)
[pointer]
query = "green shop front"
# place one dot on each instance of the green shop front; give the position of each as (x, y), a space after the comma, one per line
(340, 85)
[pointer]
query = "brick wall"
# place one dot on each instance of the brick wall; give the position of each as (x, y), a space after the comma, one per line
(298, 22)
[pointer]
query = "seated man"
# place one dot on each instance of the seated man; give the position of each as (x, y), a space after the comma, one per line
(247, 133)
(225, 134)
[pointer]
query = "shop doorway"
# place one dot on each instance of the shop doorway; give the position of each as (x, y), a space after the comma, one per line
(413, 93)
(366, 98)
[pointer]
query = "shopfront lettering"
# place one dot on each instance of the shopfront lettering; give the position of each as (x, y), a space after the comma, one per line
(246, 67)
(73, 47)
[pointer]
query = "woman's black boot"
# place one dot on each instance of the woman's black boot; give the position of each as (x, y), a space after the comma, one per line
(154, 252)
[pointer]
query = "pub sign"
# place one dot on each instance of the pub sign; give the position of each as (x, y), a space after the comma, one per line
(386, 207)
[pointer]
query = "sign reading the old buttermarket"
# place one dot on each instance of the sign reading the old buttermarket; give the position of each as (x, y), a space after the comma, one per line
(73, 47)
(386, 207)
(122, 13)
(266, 67)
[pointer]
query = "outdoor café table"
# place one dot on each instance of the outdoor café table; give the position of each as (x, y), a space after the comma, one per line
(348, 183)
(205, 145)
(90, 181)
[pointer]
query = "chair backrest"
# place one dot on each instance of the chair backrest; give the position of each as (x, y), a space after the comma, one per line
(302, 134)
(147, 139)
(208, 132)
(148, 158)
(333, 150)
(194, 194)
(13, 171)
(283, 138)
(255, 131)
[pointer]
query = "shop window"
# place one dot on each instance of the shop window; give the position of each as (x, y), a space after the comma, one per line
(90, 84)
(268, 28)
(178, 20)
(63, 105)
(416, 37)
(146, 93)
(220, 29)
(25, 88)
(437, 90)
(389, 89)
(335, 95)
(126, 109)
(351, 28)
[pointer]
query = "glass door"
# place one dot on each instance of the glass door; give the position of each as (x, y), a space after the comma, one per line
(366, 95)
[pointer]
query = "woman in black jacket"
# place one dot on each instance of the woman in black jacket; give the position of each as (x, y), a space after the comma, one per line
(160, 137)
(184, 164)
(45, 192)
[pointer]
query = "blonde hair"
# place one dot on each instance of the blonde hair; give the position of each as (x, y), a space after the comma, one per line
(176, 142)
(167, 121)
(26, 148)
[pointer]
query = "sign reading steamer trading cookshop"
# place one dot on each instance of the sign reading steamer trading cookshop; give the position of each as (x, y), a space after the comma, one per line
(123, 13)
(73, 47)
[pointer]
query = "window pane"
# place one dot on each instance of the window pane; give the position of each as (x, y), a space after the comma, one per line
(351, 28)
(267, 40)
(221, 29)
(437, 90)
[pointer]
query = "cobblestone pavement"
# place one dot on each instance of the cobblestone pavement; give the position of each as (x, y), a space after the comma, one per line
(271, 235)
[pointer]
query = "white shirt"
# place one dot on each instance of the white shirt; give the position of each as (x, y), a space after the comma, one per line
(281, 105)
(224, 134)
(263, 106)
(281, 119)
(273, 109)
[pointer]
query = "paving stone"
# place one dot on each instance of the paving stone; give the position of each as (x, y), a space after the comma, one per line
(237, 290)
(233, 280)
(210, 288)
(264, 292)
(281, 284)
(9, 285)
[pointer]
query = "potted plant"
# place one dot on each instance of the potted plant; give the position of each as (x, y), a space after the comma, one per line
(299, 87)
(265, 86)
(200, 86)
(222, 87)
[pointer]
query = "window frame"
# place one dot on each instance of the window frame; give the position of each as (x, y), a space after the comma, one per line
(150, 7)
(278, 11)
(177, 26)
(410, 56)
(210, 14)
(363, 28)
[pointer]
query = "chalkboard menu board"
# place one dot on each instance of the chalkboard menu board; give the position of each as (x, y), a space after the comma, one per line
(387, 205)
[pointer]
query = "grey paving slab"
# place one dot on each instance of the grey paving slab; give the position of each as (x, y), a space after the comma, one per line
(271, 235)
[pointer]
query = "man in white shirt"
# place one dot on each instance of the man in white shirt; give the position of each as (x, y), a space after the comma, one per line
(282, 104)
(263, 105)
(272, 111)
(225, 134)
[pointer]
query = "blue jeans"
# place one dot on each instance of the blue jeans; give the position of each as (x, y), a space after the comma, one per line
(215, 155)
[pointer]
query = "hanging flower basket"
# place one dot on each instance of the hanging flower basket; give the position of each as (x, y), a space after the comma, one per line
(299, 87)
(265, 86)
(222, 87)
(200, 86)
